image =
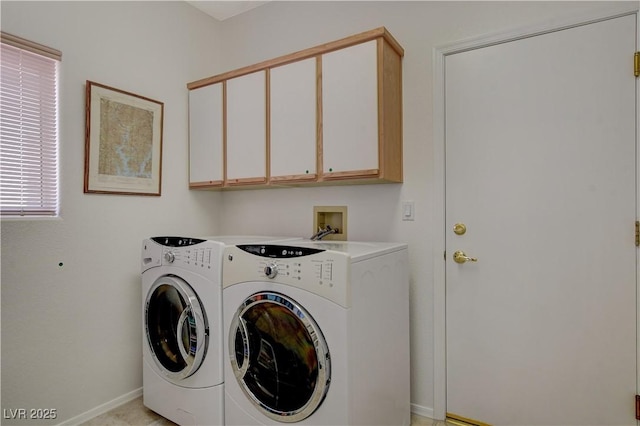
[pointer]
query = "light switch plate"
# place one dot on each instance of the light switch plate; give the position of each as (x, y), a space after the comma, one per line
(408, 210)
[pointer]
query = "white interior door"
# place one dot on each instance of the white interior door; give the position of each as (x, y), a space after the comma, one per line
(540, 166)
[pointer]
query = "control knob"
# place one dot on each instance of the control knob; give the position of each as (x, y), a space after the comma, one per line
(271, 270)
(169, 256)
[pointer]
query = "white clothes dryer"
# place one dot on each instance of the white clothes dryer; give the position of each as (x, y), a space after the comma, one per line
(182, 327)
(316, 333)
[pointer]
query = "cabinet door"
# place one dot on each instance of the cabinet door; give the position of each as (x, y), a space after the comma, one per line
(293, 121)
(246, 129)
(205, 136)
(350, 112)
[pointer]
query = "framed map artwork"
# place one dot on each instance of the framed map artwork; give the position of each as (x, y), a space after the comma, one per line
(123, 142)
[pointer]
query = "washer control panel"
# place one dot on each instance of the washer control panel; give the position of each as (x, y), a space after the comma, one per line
(278, 251)
(323, 272)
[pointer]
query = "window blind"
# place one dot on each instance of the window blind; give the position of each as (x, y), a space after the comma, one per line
(28, 129)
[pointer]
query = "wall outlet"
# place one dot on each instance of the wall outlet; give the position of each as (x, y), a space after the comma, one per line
(335, 217)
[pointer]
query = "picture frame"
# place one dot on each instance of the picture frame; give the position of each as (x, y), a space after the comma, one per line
(123, 142)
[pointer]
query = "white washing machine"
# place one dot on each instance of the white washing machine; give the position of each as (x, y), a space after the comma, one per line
(316, 333)
(182, 327)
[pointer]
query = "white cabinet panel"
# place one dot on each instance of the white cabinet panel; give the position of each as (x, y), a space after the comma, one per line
(350, 109)
(246, 128)
(206, 135)
(293, 121)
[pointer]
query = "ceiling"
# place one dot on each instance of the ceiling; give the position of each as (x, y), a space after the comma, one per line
(222, 10)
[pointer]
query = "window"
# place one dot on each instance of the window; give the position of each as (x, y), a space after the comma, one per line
(28, 128)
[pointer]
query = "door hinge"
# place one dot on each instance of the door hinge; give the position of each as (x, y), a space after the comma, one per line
(637, 407)
(636, 64)
(637, 234)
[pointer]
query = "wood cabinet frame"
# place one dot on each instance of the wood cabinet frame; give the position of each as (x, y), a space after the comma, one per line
(390, 156)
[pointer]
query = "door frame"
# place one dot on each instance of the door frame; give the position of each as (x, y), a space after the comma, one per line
(439, 246)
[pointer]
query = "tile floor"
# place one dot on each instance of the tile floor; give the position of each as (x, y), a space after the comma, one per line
(134, 413)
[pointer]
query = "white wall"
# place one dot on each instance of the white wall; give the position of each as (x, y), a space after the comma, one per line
(71, 335)
(374, 211)
(71, 338)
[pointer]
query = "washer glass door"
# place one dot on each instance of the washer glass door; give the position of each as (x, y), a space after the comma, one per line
(176, 327)
(279, 356)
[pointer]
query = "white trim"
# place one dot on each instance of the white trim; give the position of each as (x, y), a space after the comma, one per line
(609, 12)
(101, 409)
(422, 411)
(439, 287)
(637, 215)
(439, 246)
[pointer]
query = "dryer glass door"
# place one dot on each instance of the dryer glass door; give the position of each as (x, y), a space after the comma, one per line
(279, 356)
(176, 327)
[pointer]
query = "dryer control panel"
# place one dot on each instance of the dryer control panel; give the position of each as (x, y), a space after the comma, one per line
(194, 254)
(177, 241)
(322, 272)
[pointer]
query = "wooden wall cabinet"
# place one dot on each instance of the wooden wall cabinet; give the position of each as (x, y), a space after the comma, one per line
(325, 115)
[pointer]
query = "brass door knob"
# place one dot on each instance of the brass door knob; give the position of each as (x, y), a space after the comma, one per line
(460, 257)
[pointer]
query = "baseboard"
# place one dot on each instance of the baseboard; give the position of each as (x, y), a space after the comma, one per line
(422, 411)
(101, 409)
(123, 399)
